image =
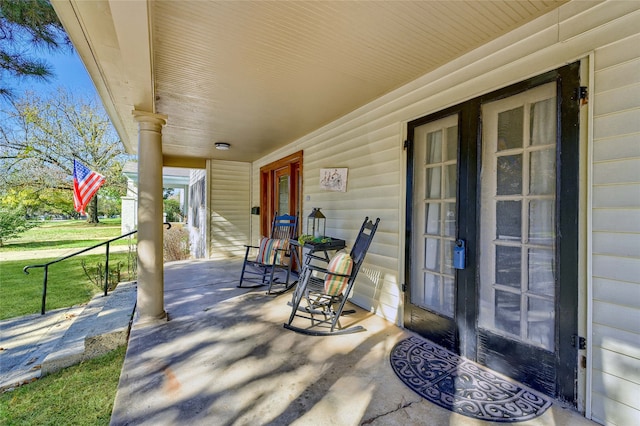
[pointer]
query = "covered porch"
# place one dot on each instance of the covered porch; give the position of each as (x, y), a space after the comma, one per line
(224, 358)
(293, 89)
(267, 79)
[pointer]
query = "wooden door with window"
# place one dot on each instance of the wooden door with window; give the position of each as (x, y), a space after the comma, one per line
(501, 173)
(280, 189)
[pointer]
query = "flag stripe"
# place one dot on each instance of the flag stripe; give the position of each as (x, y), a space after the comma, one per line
(85, 184)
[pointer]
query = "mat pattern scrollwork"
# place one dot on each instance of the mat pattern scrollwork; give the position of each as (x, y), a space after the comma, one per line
(463, 386)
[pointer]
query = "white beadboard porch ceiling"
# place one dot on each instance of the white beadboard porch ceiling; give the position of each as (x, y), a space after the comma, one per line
(260, 74)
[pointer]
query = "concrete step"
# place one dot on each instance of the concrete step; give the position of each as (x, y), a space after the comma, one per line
(26, 341)
(101, 327)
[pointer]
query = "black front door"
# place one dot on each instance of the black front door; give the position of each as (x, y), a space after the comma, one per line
(500, 174)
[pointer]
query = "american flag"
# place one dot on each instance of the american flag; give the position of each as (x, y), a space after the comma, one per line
(85, 184)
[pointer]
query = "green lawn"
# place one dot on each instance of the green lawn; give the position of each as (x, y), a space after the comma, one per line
(82, 394)
(65, 234)
(68, 285)
(78, 395)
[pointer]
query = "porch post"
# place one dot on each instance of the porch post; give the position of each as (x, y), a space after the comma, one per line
(150, 302)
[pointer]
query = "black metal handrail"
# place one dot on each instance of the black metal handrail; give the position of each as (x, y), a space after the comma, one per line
(106, 264)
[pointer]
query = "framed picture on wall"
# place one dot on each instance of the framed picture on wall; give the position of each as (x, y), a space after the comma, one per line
(334, 179)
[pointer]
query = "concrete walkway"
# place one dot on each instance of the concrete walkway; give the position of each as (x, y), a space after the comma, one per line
(55, 253)
(224, 358)
(26, 341)
(36, 345)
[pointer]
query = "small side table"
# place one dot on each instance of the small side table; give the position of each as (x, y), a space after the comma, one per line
(314, 248)
(318, 251)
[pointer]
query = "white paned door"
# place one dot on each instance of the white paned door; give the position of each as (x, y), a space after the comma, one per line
(517, 239)
(492, 221)
(436, 154)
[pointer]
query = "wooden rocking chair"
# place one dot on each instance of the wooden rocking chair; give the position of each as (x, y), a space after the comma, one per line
(325, 292)
(274, 254)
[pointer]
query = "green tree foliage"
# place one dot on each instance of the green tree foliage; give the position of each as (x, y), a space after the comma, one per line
(110, 205)
(36, 202)
(12, 223)
(39, 139)
(172, 210)
(25, 25)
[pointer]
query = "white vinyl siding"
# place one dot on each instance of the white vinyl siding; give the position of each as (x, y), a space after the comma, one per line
(374, 180)
(368, 141)
(616, 234)
(229, 207)
(373, 183)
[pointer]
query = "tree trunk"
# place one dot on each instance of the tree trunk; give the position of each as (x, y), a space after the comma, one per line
(92, 210)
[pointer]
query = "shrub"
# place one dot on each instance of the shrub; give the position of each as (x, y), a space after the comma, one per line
(172, 210)
(176, 243)
(13, 223)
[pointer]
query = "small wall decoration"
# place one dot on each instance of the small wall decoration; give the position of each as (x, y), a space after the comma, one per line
(333, 179)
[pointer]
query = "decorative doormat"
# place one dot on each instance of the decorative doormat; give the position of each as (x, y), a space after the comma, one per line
(462, 386)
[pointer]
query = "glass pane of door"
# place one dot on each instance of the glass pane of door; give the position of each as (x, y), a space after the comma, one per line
(282, 190)
(283, 195)
(518, 198)
(434, 215)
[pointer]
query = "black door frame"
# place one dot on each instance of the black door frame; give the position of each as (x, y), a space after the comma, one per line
(463, 336)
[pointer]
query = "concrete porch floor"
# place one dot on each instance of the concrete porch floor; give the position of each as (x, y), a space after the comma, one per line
(224, 358)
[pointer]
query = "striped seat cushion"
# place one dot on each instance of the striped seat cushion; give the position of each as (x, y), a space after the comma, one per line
(341, 263)
(269, 248)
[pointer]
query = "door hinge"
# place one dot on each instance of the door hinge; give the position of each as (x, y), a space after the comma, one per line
(404, 287)
(579, 342)
(406, 144)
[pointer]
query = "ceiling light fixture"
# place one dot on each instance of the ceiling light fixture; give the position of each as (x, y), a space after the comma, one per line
(223, 146)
